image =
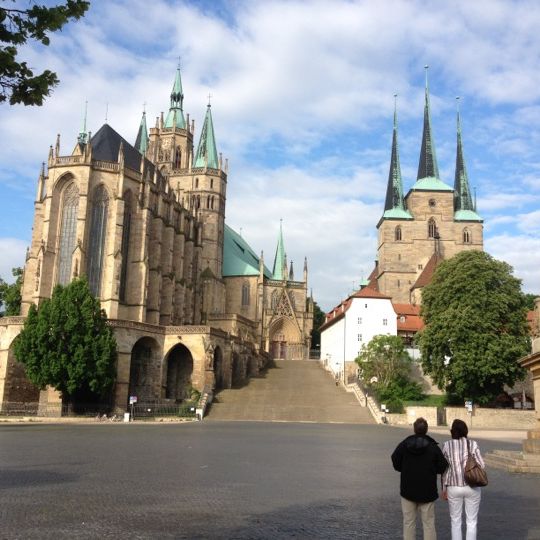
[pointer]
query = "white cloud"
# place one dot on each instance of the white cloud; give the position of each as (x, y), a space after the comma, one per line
(13, 252)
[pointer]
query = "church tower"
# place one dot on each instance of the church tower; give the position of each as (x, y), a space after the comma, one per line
(432, 222)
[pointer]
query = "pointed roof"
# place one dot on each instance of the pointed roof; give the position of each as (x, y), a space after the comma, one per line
(141, 142)
(428, 170)
(394, 206)
(175, 116)
(279, 270)
(106, 145)
(463, 204)
(206, 151)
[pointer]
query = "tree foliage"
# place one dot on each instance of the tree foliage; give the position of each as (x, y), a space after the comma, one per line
(18, 83)
(67, 344)
(318, 321)
(530, 300)
(10, 293)
(476, 327)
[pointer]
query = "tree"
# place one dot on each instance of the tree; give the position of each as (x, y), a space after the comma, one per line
(67, 344)
(476, 327)
(318, 321)
(530, 298)
(10, 293)
(18, 84)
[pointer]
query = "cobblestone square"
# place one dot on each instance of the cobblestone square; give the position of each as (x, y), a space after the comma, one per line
(226, 480)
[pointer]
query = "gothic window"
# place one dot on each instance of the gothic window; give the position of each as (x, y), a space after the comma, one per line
(211, 183)
(198, 201)
(275, 297)
(245, 294)
(177, 158)
(466, 236)
(99, 208)
(196, 182)
(126, 229)
(432, 228)
(68, 232)
(398, 234)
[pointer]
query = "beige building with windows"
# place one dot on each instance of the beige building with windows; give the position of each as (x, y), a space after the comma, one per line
(192, 306)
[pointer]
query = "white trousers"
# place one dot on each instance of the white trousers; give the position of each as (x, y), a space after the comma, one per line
(457, 495)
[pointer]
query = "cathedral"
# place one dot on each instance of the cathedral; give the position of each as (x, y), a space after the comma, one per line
(191, 304)
(432, 222)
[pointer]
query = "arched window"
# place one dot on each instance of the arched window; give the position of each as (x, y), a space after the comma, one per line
(100, 206)
(198, 201)
(245, 294)
(432, 228)
(275, 297)
(397, 234)
(208, 202)
(177, 158)
(466, 236)
(196, 182)
(68, 232)
(126, 229)
(211, 183)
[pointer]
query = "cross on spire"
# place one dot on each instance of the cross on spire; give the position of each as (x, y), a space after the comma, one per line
(209, 98)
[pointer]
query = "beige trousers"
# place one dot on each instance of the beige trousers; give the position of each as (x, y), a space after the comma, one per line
(427, 513)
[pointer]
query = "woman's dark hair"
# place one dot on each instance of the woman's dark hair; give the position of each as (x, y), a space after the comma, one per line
(459, 429)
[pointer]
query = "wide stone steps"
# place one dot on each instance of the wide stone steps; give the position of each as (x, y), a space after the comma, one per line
(513, 461)
(292, 391)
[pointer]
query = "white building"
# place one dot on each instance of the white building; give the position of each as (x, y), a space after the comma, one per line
(352, 324)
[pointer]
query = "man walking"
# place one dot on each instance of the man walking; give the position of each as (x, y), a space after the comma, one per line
(419, 460)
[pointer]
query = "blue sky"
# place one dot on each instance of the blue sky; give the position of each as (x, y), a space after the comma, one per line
(302, 100)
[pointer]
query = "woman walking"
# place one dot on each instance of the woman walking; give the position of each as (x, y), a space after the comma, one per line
(455, 489)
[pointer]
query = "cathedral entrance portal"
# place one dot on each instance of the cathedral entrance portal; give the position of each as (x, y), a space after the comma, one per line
(179, 371)
(285, 341)
(144, 370)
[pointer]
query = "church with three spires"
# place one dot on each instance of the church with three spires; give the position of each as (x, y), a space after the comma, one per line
(192, 305)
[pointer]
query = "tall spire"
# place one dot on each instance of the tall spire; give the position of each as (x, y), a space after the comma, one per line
(175, 117)
(394, 205)
(207, 155)
(279, 271)
(141, 142)
(464, 207)
(83, 134)
(427, 167)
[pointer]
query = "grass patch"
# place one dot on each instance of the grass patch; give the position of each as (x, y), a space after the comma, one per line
(430, 400)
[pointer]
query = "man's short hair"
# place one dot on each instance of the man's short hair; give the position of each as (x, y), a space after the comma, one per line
(420, 426)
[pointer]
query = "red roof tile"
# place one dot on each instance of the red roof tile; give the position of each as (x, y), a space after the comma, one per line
(427, 273)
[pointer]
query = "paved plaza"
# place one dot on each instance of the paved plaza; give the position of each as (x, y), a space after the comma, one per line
(226, 480)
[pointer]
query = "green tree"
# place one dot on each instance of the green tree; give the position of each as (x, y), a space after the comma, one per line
(318, 321)
(10, 293)
(18, 83)
(476, 327)
(530, 298)
(67, 344)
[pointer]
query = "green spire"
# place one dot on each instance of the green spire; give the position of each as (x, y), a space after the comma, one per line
(83, 134)
(206, 152)
(463, 203)
(175, 116)
(141, 143)
(394, 206)
(279, 271)
(427, 167)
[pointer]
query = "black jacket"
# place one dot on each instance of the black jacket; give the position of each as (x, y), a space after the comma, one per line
(419, 460)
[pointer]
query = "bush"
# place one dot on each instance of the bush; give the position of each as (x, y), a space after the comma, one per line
(395, 405)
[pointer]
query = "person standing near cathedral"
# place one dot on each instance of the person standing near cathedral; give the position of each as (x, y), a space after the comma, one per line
(419, 460)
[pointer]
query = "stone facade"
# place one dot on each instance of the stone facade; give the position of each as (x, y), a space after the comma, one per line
(146, 225)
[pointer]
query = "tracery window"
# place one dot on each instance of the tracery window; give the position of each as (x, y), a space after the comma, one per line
(245, 294)
(466, 236)
(432, 228)
(100, 207)
(398, 234)
(68, 233)
(177, 158)
(126, 229)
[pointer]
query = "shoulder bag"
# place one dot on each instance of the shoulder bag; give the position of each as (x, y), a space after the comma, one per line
(475, 476)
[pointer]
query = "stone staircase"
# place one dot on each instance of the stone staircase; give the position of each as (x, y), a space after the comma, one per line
(527, 461)
(292, 391)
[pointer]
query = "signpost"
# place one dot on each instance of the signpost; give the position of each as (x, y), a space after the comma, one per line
(132, 401)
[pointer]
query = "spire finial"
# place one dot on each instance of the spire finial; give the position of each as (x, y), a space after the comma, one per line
(83, 135)
(179, 62)
(395, 111)
(144, 108)
(106, 112)
(426, 68)
(209, 98)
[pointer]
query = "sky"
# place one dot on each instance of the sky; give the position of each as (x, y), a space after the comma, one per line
(302, 97)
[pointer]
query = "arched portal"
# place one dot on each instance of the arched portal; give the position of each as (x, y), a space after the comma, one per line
(179, 372)
(237, 372)
(144, 370)
(285, 341)
(219, 375)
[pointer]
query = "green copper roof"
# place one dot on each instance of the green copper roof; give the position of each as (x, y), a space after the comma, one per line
(431, 184)
(175, 116)
(280, 261)
(427, 166)
(238, 257)
(466, 215)
(394, 206)
(206, 152)
(141, 143)
(462, 191)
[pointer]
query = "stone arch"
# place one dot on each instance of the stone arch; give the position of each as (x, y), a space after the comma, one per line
(219, 371)
(179, 371)
(284, 339)
(237, 371)
(144, 370)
